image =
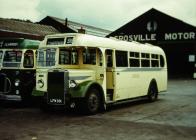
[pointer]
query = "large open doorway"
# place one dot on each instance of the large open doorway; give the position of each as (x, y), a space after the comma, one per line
(178, 60)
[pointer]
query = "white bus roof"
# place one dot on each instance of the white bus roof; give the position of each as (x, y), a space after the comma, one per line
(100, 42)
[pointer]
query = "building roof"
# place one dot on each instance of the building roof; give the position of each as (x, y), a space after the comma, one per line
(73, 27)
(22, 27)
(167, 22)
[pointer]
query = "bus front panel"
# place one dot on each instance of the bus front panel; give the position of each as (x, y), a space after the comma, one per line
(57, 87)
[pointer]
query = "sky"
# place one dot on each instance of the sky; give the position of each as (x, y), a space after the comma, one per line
(106, 14)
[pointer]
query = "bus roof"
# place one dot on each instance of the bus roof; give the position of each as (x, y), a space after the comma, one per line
(18, 43)
(76, 39)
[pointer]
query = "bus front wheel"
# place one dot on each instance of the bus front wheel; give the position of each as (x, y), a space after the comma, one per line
(152, 93)
(92, 102)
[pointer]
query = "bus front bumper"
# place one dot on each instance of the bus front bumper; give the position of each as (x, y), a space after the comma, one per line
(10, 97)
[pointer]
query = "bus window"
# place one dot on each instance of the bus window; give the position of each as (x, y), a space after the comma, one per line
(145, 60)
(40, 57)
(1, 55)
(28, 59)
(74, 57)
(154, 60)
(162, 62)
(12, 58)
(50, 57)
(100, 61)
(64, 56)
(46, 57)
(67, 56)
(109, 58)
(134, 54)
(121, 59)
(134, 60)
(89, 56)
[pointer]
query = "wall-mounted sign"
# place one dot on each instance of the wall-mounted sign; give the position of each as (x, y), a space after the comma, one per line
(161, 37)
(151, 34)
(138, 37)
(180, 36)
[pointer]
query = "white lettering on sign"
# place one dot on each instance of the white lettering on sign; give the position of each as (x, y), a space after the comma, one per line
(10, 44)
(152, 37)
(139, 37)
(56, 101)
(180, 36)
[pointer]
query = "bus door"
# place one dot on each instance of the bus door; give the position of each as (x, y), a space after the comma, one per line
(122, 75)
(110, 86)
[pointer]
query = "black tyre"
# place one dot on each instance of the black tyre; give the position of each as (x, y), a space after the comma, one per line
(152, 93)
(92, 102)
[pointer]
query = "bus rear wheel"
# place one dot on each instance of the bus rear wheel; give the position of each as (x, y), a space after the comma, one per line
(152, 93)
(92, 102)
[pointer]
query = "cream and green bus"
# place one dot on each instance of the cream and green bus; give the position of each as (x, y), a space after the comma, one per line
(92, 72)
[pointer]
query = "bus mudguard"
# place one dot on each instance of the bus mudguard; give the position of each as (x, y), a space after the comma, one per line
(81, 89)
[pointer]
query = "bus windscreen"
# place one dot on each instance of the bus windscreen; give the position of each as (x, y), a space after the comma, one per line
(12, 58)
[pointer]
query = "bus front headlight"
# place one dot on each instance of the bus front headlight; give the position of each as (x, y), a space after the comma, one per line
(40, 83)
(17, 82)
(72, 84)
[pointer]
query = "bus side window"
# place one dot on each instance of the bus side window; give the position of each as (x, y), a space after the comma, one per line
(109, 58)
(121, 59)
(134, 60)
(100, 56)
(28, 59)
(64, 57)
(74, 57)
(1, 54)
(89, 56)
(154, 60)
(162, 62)
(145, 60)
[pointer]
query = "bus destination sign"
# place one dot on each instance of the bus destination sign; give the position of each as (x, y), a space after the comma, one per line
(55, 41)
(5, 44)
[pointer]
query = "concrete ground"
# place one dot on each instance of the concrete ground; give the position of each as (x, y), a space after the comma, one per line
(172, 117)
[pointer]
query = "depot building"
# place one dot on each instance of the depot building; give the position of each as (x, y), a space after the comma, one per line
(175, 37)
